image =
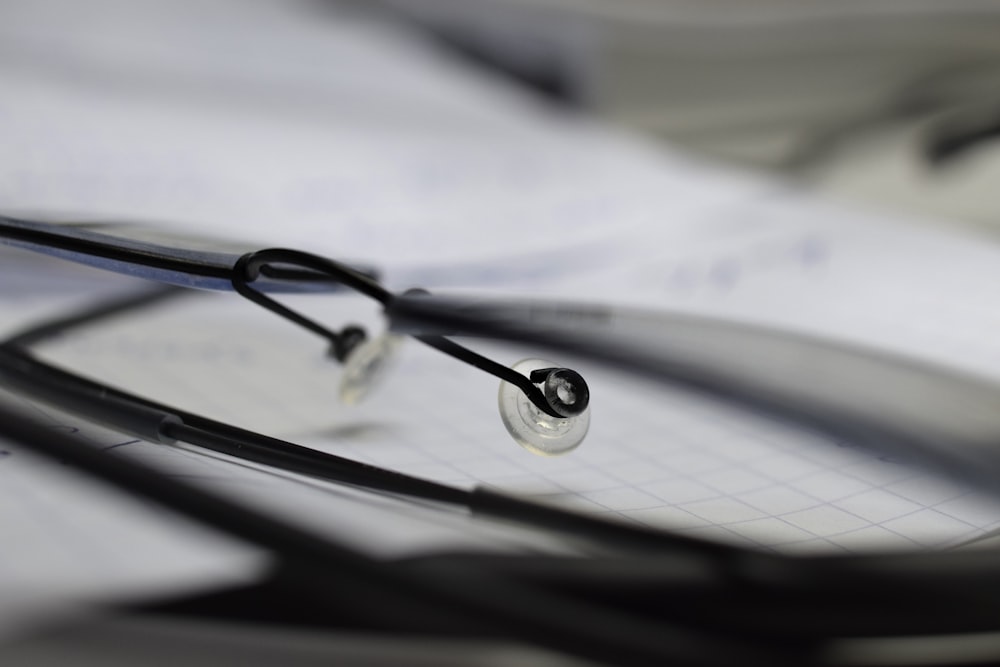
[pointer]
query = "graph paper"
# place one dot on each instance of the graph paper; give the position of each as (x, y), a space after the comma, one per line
(655, 456)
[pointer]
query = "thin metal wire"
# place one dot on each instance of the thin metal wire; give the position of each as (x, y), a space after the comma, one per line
(261, 262)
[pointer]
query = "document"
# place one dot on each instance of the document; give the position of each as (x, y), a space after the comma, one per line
(350, 137)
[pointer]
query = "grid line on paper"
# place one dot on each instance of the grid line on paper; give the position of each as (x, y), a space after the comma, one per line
(666, 459)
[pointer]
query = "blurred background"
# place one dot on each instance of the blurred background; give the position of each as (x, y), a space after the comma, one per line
(892, 102)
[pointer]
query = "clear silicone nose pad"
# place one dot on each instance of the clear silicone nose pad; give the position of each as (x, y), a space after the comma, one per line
(366, 366)
(532, 428)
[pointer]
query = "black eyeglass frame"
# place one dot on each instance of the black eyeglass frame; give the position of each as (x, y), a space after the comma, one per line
(902, 593)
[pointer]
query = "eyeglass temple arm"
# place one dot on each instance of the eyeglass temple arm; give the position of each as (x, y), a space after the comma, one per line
(175, 259)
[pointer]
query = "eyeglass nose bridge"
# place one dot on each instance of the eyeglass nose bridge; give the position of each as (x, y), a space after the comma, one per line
(275, 264)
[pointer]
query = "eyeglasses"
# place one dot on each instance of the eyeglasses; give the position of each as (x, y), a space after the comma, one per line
(900, 408)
